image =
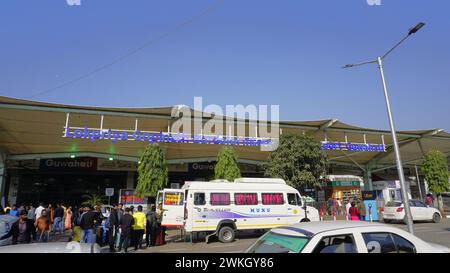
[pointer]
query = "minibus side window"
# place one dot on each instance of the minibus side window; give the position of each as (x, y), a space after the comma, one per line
(220, 199)
(292, 200)
(245, 199)
(199, 199)
(272, 198)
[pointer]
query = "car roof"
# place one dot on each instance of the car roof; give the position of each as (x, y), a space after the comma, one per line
(309, 229)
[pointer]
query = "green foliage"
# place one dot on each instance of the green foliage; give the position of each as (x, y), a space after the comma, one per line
(227, 167)
(153, 171)
(299, 160)
(93, 199)
(435, 169)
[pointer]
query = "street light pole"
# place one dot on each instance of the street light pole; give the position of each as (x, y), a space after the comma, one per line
(408, 216)
(379, 61)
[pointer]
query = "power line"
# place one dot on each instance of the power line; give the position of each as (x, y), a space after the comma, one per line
(132, 52)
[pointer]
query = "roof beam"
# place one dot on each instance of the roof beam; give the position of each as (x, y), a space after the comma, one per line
(349, 157)
(403, 143)
(82, 111)
(404, 163)
(327, 124)
(433, 132)
(389, 151)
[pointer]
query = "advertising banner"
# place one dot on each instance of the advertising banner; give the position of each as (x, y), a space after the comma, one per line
(104, 164)
(127, 197)
(173, 198)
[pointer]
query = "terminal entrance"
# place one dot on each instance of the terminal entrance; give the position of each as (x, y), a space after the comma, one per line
(69, 188)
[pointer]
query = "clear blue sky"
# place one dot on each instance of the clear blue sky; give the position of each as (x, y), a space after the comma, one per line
(241, 52)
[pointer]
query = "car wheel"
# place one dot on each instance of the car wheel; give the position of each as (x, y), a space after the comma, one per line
(436, 217)
(226, 234)
(387, 221)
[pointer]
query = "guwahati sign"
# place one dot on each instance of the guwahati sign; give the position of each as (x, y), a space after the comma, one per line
(69, 164)
(350, 146)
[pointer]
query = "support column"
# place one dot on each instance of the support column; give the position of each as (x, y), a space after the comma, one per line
(368, 180)
(2, 177)
(130, 180)
(425, 184)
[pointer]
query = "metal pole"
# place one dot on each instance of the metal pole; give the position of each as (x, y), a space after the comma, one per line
(418, 182)
(397, 153)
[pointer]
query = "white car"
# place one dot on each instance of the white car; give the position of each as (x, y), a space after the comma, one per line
(394, 211)
(52, 247)
(342, 237)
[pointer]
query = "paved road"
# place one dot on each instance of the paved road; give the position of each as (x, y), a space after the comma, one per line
(430, 232)
(242, 242)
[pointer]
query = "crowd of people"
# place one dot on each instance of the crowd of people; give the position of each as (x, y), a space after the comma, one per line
(354, 210)
(37, 223)
(117, 227)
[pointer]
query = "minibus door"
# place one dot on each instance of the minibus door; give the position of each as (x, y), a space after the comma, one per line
(173, 206)
(293, 208)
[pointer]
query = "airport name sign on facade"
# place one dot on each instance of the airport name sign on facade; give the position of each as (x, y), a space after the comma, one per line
(238, 125)
(162, 137)
(349, 146)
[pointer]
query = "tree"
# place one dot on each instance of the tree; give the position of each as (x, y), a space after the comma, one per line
(153, 173)
(435, 169)
(93, 199)
(227, 167)
(299, 160)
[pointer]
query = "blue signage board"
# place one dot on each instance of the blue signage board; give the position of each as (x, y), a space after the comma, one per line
(350, 146)
(137, 135)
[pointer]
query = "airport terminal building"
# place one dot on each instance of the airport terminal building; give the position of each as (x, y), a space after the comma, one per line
(44, 156)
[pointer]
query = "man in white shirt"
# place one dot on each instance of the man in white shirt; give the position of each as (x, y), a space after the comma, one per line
(347, 208)
(39, 210)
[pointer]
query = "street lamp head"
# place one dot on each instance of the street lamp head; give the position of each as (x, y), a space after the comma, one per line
(348, 66)
(416, 28)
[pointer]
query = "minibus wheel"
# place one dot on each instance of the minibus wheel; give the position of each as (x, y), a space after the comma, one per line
(226, 234)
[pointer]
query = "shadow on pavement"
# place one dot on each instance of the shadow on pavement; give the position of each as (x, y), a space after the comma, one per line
(200, 237)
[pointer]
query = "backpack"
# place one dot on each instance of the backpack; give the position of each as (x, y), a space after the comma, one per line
(79, 218)
(107, 223)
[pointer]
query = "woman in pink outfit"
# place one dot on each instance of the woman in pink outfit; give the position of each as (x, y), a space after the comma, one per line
(68, 221)
(354, 213)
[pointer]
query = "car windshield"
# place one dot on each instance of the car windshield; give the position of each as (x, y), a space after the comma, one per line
(393, 204)
(278, 243)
